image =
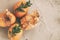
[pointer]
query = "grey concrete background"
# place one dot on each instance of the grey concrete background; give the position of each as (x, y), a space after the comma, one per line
(48, 27)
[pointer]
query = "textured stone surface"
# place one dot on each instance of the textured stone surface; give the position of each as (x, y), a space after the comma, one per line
(48, 27)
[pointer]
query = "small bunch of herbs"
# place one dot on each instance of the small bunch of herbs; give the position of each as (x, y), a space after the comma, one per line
(18, 20)
(20, 8)
(15, 30)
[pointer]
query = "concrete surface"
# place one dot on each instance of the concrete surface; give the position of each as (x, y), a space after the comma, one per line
(48, 27)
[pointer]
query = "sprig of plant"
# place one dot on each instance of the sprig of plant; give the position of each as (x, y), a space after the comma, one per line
(15, 30)
(18, 20)
(28, 4)
(20, 8)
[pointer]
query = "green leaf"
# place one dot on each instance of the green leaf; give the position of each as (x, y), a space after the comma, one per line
(15, 30)
(18, 20)
(20, 8)
(28, 4)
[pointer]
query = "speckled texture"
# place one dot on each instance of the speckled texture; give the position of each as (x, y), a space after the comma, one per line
(48, 28)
